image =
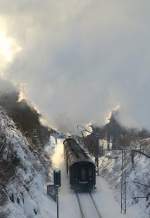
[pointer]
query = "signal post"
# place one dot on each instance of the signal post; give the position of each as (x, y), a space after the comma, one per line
(57, 184)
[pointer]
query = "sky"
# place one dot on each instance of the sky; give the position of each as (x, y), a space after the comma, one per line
(79, 59)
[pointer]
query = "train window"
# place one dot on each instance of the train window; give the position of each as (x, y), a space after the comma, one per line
(83, 174)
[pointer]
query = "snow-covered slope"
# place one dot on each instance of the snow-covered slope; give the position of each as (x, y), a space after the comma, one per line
(23, 176)
(137, 180)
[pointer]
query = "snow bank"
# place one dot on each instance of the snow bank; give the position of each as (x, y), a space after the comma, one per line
(110, 169)
(26, 189)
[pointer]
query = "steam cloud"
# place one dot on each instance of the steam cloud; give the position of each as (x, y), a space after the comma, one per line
(81, 58)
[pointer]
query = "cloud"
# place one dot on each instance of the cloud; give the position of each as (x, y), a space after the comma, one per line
(79, 59)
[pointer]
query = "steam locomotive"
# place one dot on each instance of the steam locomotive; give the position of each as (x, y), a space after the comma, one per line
(80, 168)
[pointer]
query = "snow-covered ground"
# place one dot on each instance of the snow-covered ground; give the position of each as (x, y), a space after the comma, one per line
(104, 196)
(107, 204)
(34, 203)
(110, 170)
(26, 190)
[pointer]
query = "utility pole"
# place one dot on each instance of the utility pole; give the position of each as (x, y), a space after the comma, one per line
(97, 151)
(123, 183)
(57, 201)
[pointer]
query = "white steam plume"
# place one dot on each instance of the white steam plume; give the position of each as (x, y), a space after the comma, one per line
(80, 58)
(58, 156)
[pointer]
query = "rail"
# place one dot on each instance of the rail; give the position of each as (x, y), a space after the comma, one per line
(98, 214)
(80, 206)
(94, 203)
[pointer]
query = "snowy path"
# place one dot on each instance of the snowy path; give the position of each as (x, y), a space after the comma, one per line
(103, 196)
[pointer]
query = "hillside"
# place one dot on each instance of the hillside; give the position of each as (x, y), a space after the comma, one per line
(137, 180)
(25, 116)
(23, 175)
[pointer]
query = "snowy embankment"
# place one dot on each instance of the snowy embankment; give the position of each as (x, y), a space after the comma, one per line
(137, 180)
(23, 182)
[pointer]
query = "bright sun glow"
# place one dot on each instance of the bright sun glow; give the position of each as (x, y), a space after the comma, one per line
(8, 47)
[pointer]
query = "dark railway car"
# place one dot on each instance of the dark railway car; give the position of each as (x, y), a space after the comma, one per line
(80, 167)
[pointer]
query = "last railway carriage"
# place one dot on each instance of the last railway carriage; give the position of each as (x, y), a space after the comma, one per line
(80, 167)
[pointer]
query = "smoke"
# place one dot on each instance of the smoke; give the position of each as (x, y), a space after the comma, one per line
(7, 87)
(79, 59)
(114, 112)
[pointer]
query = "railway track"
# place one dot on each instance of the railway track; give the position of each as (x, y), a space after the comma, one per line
(87, 205)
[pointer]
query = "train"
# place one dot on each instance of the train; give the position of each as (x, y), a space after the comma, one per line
(80, 167)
